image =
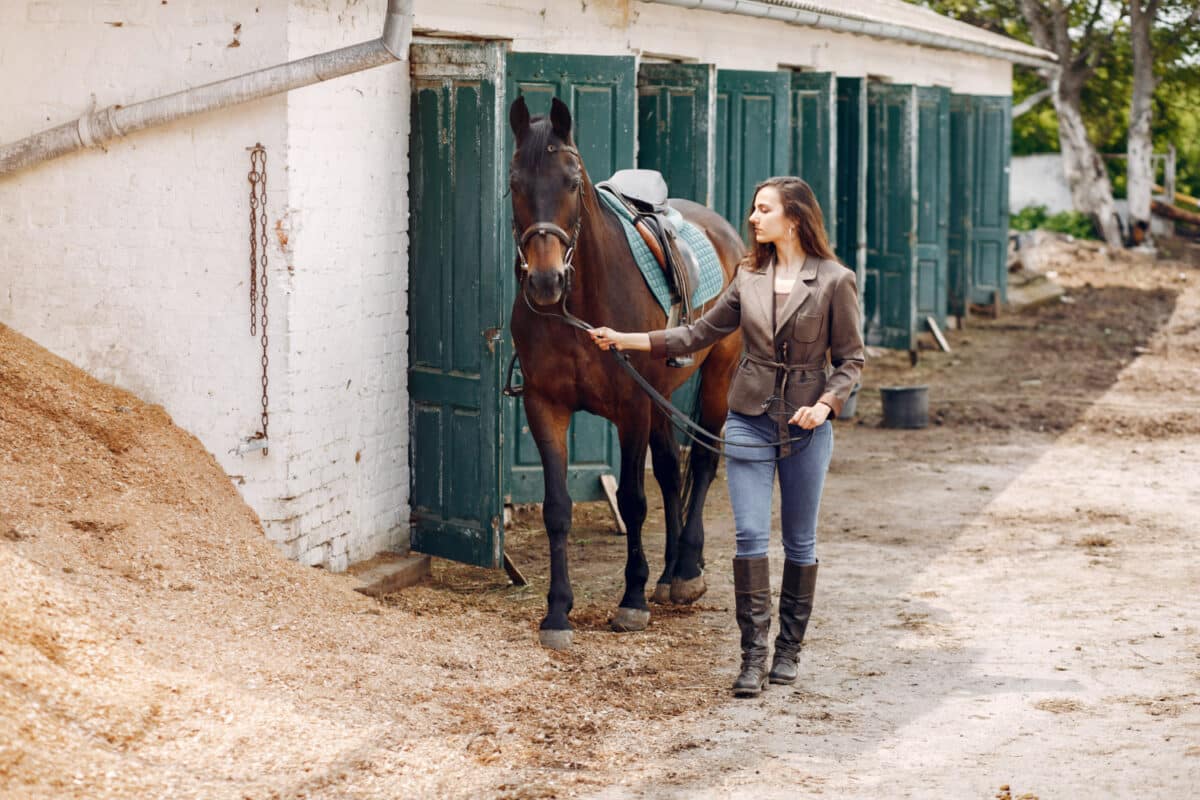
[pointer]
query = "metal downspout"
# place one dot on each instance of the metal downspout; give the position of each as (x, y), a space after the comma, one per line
(96, 128)
(798, 12)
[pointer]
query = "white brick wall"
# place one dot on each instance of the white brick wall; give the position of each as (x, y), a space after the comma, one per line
(133, 263)
(347, 316)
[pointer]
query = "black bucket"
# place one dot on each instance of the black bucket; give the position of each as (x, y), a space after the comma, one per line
(905, 406)
(851, 404)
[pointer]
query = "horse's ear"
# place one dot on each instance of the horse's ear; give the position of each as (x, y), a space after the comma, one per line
(560, 119)
(518, 118)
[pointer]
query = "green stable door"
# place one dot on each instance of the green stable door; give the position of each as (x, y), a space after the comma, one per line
(600, 92)
(989, 203)
(814, 140)
(933, 202)
(753, 138)
(850, 244)
(962, 190)
(980, 142)
(890, 289)
(456, 316)
(675, 127)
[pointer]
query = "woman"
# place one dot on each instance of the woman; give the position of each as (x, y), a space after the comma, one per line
(794, 303)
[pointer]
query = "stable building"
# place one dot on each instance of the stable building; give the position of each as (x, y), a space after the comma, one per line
(382, 252)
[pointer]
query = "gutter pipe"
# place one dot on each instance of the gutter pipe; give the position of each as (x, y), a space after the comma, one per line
(96, 128)
(798, 12)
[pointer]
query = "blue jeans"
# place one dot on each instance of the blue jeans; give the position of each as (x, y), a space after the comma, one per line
(751, 483)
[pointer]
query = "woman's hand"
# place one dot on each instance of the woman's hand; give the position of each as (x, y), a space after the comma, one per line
(606, 338)
(809, 417)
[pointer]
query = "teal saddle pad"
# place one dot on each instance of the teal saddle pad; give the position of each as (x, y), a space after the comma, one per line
(712, 276)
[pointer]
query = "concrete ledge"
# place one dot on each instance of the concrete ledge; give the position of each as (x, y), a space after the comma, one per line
(390, 572)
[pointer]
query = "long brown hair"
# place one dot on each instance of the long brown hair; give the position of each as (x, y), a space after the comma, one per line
(800, 206)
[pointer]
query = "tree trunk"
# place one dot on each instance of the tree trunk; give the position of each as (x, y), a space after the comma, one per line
(1091, 191)
(1140, 175)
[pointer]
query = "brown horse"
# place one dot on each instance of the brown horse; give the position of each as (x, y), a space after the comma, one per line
(573, 255)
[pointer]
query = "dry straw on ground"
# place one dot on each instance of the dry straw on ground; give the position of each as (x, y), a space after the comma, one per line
(153, 643)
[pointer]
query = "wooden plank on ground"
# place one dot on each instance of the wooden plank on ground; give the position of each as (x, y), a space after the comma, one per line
(937, 334)
(610, 491)
(392, 576)
(514, 574)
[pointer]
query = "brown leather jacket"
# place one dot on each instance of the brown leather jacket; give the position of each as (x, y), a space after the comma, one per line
(820, 315)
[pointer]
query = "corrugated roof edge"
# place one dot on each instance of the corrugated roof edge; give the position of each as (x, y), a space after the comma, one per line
(923, 26)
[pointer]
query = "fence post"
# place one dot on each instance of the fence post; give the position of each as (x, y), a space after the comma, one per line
(1169, 176)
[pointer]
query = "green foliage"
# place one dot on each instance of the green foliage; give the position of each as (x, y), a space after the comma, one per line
(1033, 217)
(1028, 218)
(1078, 225)
(1106, 96)
(1035, 131)
(1177, 120)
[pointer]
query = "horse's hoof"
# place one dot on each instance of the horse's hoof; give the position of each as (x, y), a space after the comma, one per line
(556, 640)
(689, 591)
(630, 619)
(662, 594)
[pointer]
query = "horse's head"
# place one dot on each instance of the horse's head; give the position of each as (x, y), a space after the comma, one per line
(546, 178)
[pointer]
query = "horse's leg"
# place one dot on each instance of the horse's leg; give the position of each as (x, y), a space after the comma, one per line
(633, 614)
(687, 584)
(664, 453)
(548, 425)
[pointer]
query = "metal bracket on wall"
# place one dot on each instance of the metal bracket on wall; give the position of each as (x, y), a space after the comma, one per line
(250, 445)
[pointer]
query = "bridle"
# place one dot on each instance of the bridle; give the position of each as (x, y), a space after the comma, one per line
(521, 238)
(681, 421)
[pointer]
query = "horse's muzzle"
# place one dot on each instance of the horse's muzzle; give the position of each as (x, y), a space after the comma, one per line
(546, 286)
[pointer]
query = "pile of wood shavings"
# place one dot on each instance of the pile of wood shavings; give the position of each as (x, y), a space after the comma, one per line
(154, 644)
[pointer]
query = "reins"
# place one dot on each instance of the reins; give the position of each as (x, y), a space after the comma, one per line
(682, 422)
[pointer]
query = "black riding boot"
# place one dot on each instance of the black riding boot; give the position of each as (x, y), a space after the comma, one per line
(752, 601)
(795, 607)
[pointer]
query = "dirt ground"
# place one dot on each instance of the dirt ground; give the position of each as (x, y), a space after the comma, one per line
(1007, 605)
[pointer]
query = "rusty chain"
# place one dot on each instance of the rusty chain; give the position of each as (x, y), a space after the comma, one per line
(258, 262)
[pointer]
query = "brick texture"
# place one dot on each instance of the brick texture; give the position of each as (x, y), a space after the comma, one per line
(133, 263)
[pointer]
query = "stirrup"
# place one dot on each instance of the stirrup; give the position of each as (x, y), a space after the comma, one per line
(679, 315)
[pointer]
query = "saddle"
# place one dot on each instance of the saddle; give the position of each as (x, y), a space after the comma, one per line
(643, 193)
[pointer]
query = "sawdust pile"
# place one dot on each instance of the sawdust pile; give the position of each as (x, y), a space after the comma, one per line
(154, 644)
(114, 526)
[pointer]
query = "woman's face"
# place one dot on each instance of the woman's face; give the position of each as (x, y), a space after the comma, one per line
(767, 220)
